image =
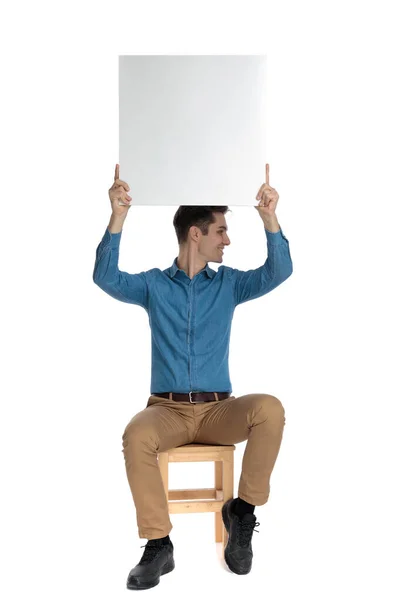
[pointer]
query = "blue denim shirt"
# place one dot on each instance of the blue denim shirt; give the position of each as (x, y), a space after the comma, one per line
(190, 319)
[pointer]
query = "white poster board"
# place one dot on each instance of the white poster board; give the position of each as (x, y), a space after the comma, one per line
(192, 129)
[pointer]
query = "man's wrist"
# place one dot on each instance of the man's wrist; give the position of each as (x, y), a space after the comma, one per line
(116, 223)
(271, 224)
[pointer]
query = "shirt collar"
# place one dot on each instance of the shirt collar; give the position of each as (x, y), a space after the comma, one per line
(174, 268)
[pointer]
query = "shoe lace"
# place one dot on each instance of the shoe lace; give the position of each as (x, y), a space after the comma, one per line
(245, 532)
(150, 552)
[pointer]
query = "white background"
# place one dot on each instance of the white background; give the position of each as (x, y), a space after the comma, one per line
(76, 363)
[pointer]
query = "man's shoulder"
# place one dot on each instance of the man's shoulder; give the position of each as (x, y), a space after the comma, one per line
(224, 269)
(156, 271)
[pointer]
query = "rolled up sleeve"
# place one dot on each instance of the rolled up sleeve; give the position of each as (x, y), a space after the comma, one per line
(126, 287)
(248, 285)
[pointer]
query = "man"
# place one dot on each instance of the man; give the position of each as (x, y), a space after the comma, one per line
(190, 308)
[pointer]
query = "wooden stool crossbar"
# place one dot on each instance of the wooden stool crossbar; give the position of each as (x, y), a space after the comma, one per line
(202, 499)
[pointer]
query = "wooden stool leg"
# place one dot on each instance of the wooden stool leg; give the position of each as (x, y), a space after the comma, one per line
(227, 486)
(218, 486)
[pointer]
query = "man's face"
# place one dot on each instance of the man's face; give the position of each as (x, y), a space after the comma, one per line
(211, 246)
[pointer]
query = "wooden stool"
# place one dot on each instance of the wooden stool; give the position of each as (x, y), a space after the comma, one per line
(203, 499)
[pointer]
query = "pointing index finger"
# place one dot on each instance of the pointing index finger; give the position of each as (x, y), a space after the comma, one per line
(267, 174)
(116, 176)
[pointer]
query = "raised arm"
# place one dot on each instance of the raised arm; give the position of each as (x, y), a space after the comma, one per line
(278, 266)
(126, 287)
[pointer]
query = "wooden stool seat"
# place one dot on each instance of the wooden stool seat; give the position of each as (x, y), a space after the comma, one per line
(202, 499)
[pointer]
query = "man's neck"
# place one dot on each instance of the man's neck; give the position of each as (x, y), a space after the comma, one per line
(190, 266)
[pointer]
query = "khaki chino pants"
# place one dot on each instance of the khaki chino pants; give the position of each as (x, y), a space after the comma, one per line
(166, 424)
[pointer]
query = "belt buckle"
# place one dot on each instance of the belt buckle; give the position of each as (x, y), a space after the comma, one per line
(190, 398)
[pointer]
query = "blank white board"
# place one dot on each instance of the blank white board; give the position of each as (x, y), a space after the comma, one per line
(192, 129)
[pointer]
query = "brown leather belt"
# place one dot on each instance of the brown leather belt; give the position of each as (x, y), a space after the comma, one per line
(195, 397)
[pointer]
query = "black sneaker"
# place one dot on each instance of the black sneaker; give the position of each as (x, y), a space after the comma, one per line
(157, 560)
(238, 551)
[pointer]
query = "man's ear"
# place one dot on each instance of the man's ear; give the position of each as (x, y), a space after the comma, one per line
(194, 232)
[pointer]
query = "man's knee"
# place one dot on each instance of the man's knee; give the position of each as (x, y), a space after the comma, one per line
(271, 405)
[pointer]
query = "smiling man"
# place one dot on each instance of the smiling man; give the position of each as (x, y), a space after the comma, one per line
(190, 308)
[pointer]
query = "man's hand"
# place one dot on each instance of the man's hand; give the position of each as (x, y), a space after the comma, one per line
(268, 199)
(119, 198)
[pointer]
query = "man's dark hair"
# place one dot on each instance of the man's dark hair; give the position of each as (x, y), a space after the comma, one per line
(201, 216)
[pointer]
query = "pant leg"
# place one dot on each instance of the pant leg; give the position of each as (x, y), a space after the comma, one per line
(257, 418)
(160, 426)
